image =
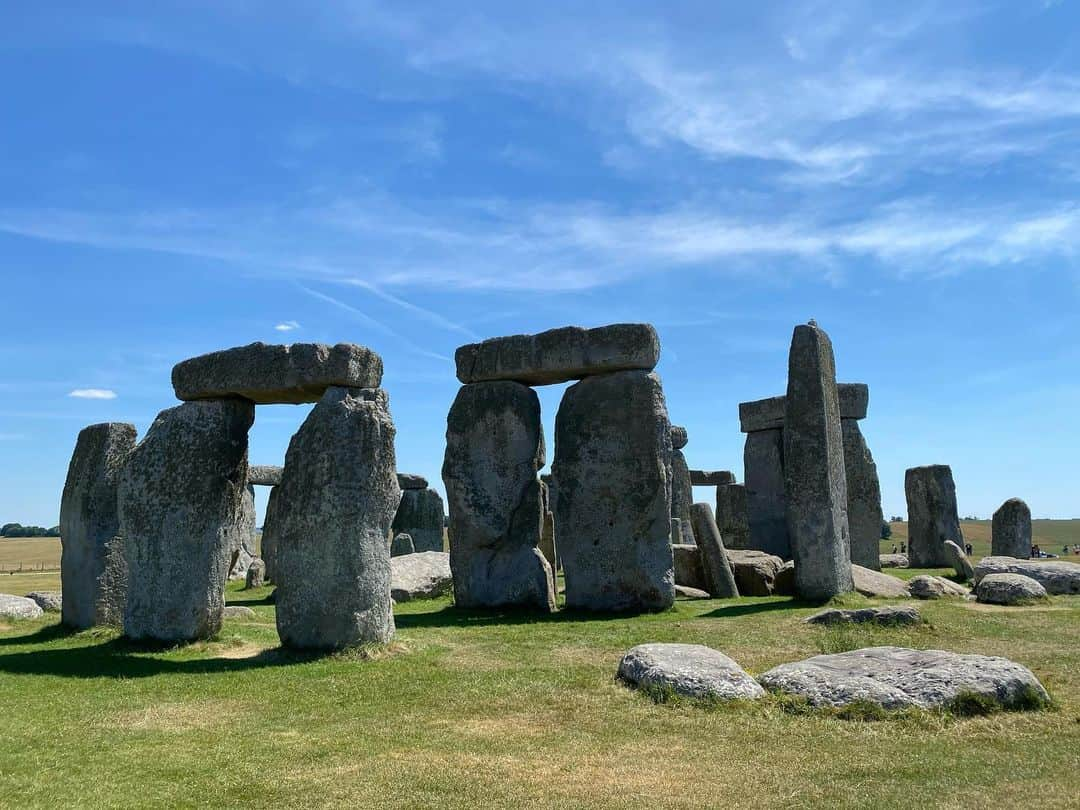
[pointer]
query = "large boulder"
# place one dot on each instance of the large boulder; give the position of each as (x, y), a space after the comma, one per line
(332, 555)
(926, 586)
(420, 515)
(613, 465)
(863, 497)
(755, 571)
(48, 601)
(182, 517)
(424, 575)
(1010, 530)
(268, 374)
(688, 569)
(766, 513)
(893, 561)
(89, 520)
(256, 574)
(1009, 589)
(900, 678)
(558, 355)
(869, 582)
(815, 485)
(18, 607)
(719, 578)
(691, 670)
(959, 561)
(932, 515)
(1057, 576)
(494, 446)
(889, 616)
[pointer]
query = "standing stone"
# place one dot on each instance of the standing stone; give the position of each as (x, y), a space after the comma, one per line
(494, 446)
(269, 540)
(256, 574)
(1011, 530)
(420, 515)
(89, 521)
(332, 555)
(815, 481)
(959, 561)
(864, 497)
(766, 511)
(932, 515)
(248, 550)
(401, 545)
(613, 465)
(112, 585)
(547, 528)
(682, 492)
(731, 515)
(181, 499)
(719, 578)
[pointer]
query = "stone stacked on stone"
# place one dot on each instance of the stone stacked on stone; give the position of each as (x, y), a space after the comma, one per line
(264, 475)
(420, 515)
(1010, 530)
(682, 491)
(711, 478)
(932, 515)
(89, 520)
(547, 528)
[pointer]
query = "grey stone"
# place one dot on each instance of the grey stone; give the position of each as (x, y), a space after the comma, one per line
(270, 534)
(755, 571)
(679, 437)
(784, 582)
(424, 575)
(732, 518)
(89, 519)
(932, 515)
(547, 528)
(332, 555)
(686, 592)
(613, 465)
(411, 481)
(112, 585)
(768, 414)
(182, 500)
(494, 446)
(926, 586)
(959, 561)
(1010, 530)
(711, 478)
(899, 678)
(248, 550)
(888, 616)
(854, 400)
(402, 544)
(238, 612)
(558, 355)
(864, 497)
(893, 560)
(1057, 576)
(688, 567)
(682, 496)
(264, 475)
(48, 601)
(869, 582)
(18, 607)
(421, 515)
(766, 511)
(256, 574)
(268, 373)
(1009, 589)
(691, 670)
(719, 578)
(815, 485)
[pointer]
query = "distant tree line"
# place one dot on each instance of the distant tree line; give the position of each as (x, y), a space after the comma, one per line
(18, 530)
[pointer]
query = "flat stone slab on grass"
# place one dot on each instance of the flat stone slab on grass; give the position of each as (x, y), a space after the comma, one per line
(686, 592)
(874, 583)
(48, 601)
(237, 612)
(272, 373)
(888, 616)
(1057, 576)
(893, 560)
(559, 355)
(18, 607)
(926, 586)
(901, 678)
(755, 571)
(691, 670)
(1009, 589)
(425, 575)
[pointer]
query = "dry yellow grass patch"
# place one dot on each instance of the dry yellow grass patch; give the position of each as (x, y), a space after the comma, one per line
(983, 608)
(176, 716)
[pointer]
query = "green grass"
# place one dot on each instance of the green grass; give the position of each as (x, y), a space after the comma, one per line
(1051, 535)
(512, 710)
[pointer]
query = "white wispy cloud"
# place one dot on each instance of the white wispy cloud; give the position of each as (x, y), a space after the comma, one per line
(92, 393)
(287, 326)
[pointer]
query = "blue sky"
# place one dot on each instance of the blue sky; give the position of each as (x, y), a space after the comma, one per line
(177, 178)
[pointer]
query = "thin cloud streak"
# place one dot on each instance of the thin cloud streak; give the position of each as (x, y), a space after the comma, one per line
(92, 393)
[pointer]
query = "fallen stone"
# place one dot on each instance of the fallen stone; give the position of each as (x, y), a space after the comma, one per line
(559, 355)
(711, 478)
(1056, 576)
(256, 574)
(863, 496)
(18, 607)
(425, 575)
(926, 586)
(401, 544)
(411, 481)
(719, 578)
(932, 516)
(690, 670)
(1010, 530)
(48, 601)
(874, 583)
(887, 616)
(959, 561)
(688, 568)
(686, 592)
(238, 612)
(264, 475)
(268, 374)
(755, 571)
(766, 513)
(732, 518)
(893, 560)
(1009, 589)
(900, 678)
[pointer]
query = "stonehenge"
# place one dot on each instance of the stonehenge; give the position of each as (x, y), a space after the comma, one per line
(932, 515)
(1010, 530)
(682, 491)
(420, 513)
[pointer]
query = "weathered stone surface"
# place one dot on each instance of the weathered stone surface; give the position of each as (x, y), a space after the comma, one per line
(688, 567)
(888, 616)
(112, 585)
(755, 571)
(731, 515)
(815, 484)
(332, 555)
(691, 670)
(411, 481)
(613, 465)
(494, 446)
(869, 582)
(270, 533)
(679, 437)
(854, 400)
(784, 582)
(864, 497)
(48, 601)
(719, 578)
(686, 592)
(925, 586)
(421, 516)
(249, 537)
(899, 678)
(1009, 589)
(270, 373)
(89, 518)
(768, 414)
(711, 478)
(238, 612)
(893, 560)
(1010, 530)
(766, 512)
(547, 528)
(256, 574)
(682, 495)
(959, 561)
(424, 575)
(182, 500)
(264, 475)
(558, 355)
(1057, 576)
(18, 607)
(932, 516)
(402, 544)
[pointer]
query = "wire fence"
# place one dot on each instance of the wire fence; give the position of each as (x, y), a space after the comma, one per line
(28, 568)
